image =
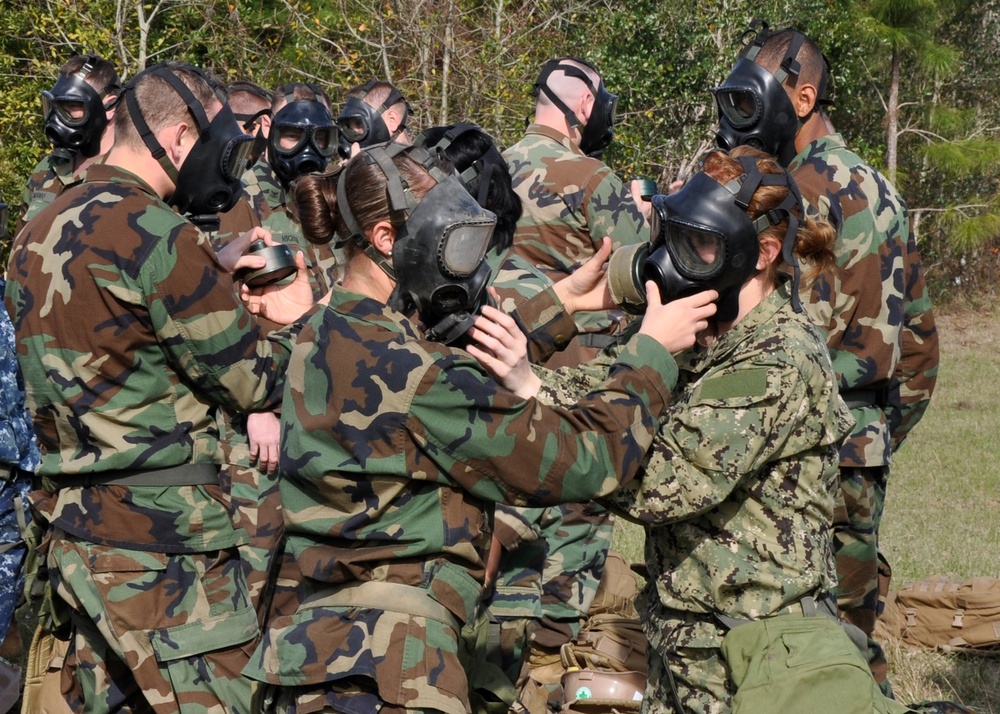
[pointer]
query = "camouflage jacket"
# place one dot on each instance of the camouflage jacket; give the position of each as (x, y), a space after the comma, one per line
(737, 492)
(49, 179)
(875, 307)
(570, 202)
(390, 446)
(17, 436)
(130, 335)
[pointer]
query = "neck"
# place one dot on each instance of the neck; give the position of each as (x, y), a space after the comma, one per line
(553, 118)
(362, 276)
(143, 165)
(816, 127)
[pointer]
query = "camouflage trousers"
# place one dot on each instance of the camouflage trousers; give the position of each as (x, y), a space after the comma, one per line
(13, 521)
(153, 632)
(858, 512)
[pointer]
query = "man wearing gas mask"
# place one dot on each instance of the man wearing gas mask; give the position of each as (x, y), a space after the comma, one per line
(129, 345)
(374, 113)
(251, 105)
(78, 112)
(875, 307)
(397, 442)
(301, 139)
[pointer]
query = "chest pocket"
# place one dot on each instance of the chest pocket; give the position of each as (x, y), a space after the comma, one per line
(744, 387)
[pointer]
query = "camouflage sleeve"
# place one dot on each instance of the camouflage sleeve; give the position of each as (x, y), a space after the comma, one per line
(912, 383)
(544, 321)
(733, 423)
(522, 452)
(514, 526)
(206, 331)
(611, 211)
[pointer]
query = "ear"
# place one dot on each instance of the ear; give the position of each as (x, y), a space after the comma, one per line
(265, 125)
(391, 118)
(769, 250)
(804, 99)
(586, 107)
(174, 140)
(382, 237)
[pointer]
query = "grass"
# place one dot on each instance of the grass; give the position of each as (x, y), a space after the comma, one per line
(941, 507)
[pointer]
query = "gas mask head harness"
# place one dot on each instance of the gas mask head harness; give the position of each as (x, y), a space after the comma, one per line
(597, 134)
(303, 137)
(754, 108)
(208, 182)
(437, 257)
(75, 114)
(702, 238)
(248, 121)
(361, 123)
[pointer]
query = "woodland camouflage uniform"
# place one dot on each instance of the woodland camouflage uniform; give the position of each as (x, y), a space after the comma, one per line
(130, 336)
(269, 199)
(50, 178)
(393, 451)
(736, 494)
(880, 329)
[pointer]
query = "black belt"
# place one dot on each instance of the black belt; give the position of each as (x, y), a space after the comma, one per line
(860, 398)
(183, 475)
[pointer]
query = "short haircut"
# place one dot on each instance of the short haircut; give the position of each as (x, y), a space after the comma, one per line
(375, 93)
(810, 56)
(299, 91)
(102, 76)
(246, 97)
(161, 105)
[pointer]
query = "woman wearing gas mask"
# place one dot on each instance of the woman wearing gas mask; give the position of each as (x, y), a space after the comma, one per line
(737, 492)
(395, 441)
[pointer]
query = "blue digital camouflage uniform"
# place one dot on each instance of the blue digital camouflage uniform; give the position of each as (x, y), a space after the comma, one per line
(49, 178)
(129, 339)
(270, 201)
(736, 494)
(18, 461)
(880, 329)
(393, 451)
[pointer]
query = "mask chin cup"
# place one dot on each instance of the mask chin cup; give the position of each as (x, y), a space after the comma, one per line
(625, 281)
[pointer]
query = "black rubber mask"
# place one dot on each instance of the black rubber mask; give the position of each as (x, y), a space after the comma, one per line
(75, 115)
(362, 124)
(302, 140)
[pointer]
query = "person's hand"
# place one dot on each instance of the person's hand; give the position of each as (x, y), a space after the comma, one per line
(233, 255)
(264, 435)
(502, 350)
(282, 303)
(586, 288)
(676, 325)
(645, 207)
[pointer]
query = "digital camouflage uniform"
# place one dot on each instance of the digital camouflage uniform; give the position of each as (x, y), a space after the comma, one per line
(265, 190)
(736, 494)
(130, 337)
(50, 178)
(393, 451)
(18, 461)
(880, 329)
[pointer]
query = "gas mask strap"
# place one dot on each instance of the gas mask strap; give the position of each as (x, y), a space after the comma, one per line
(541, 85)
(146, 134)
(357, 234)
(401, 200)
(194, 106)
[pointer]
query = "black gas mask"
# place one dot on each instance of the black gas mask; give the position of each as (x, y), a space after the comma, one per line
(702, 238)
(599, 130)
(247, 122)
(755, 109)
(437, 257)
(302, 140)
(362, 124)
(208, 182)
(75, 115)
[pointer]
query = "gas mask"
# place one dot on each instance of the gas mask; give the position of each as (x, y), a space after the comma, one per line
(597, 134)
(437, 257)
(362, 124)
(702, 238)
(302, 140)
(75, 115)
(247, 122)
(755, 109)
(208, 182)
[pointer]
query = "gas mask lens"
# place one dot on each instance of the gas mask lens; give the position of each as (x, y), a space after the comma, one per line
(742, 107)
(292, 138)
(236, 157)
(354, 128)
(699, 252)
(463, 247)
(71, 111)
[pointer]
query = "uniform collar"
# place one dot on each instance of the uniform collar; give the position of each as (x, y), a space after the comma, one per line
(367, 309)
(824, 143)
(109, 173)
(556, 136)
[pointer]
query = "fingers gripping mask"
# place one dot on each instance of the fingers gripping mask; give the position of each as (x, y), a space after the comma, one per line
(438, 260)
(208, 182)
(75, 115)
(302, 140)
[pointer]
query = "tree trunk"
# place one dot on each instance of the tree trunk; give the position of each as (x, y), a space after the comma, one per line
(892, 132)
